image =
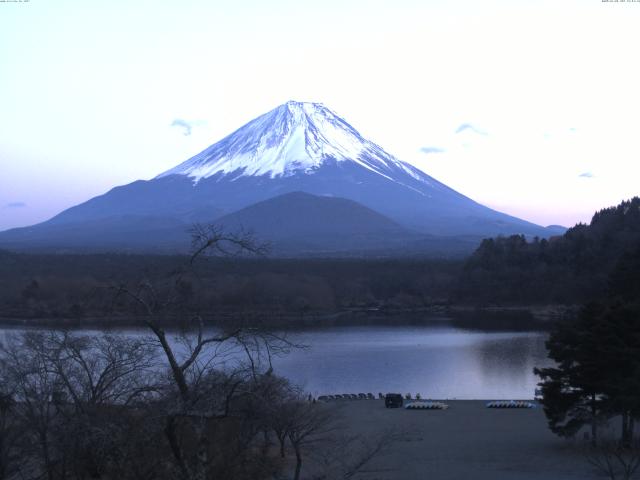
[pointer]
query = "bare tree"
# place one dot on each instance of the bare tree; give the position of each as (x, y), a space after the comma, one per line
(10, 431)
(212, 239)
(99, 370)
(69, 394)
(101, 375)
(200, 392)
(37, 392)
(156, 301)
(314, 431)
(309, 423)
(345, 456)
(615, 460)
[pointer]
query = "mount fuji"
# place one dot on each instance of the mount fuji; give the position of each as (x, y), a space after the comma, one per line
(302, 148)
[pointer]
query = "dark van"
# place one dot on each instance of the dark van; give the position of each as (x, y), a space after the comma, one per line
(393, 400)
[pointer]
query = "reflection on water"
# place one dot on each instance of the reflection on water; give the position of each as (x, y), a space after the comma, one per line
(436, 361)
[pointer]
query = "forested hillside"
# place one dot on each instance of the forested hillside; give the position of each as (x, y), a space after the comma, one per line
(568, 269)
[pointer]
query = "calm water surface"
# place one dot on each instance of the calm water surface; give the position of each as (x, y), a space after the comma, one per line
(436, 361)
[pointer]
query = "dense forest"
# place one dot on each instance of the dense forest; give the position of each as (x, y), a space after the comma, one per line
(568, 269)
(503, 271)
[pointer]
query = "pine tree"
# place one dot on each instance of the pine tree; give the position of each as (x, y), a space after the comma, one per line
(597, 356)
(573, 391)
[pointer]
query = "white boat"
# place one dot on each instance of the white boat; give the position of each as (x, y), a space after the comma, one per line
(426, 406)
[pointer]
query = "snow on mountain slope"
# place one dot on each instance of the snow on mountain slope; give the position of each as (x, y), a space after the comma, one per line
(292, 138)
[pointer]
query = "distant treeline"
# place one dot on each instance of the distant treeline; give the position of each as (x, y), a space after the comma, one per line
(82, 286)
(508, 271)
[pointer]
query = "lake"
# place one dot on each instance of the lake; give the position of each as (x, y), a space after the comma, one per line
(437, 361)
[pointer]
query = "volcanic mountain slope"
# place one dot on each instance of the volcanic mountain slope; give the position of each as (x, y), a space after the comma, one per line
(297, 147)
(301, 222)
(299, 214)
(122, 233)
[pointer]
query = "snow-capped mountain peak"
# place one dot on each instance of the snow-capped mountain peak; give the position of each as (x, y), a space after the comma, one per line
(276, 172)
(296, 137)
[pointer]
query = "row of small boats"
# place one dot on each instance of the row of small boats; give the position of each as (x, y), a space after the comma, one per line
(443, 406)
(347, 396)
(510, 404)
(426, 406)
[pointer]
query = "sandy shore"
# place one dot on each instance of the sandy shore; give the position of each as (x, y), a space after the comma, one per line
(467, 441)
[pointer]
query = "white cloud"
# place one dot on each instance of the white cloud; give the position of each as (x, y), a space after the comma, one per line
(469, 127)
(15, 205)
(429, 150)
(187, 126)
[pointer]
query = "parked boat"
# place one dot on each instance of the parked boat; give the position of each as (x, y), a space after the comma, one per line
(426, 406)
(510, 404)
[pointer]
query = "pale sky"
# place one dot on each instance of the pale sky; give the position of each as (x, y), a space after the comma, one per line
(530, 107)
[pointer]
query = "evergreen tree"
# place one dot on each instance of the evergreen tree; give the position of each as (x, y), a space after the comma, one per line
(597, 356)
(573, 391)
(620, 350)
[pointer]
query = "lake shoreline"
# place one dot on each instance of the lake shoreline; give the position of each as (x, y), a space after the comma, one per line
(494, 317)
